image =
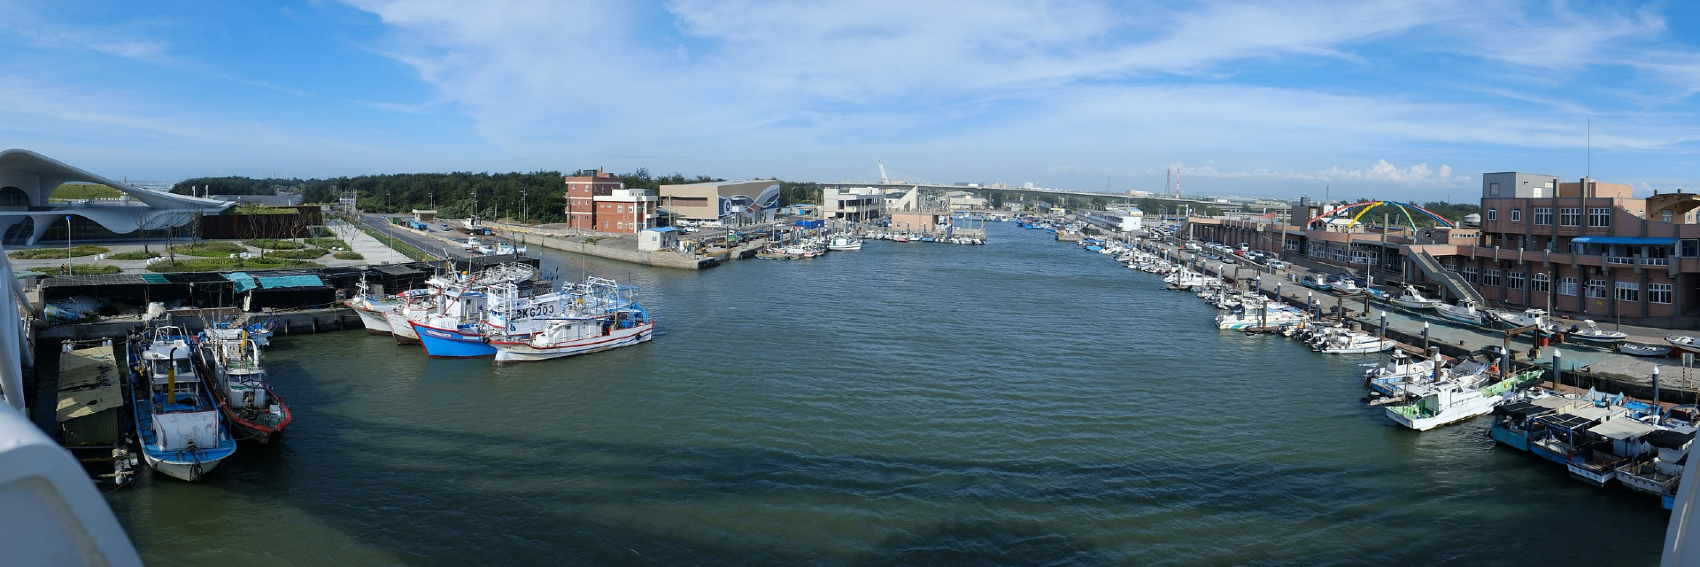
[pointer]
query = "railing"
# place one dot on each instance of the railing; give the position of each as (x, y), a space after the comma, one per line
(1619, 260)
(1655, 261)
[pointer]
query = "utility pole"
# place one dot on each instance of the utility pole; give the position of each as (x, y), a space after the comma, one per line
(524, 206)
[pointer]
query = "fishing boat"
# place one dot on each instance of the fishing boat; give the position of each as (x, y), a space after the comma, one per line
(178, 426)
(1660, 474)
(239, 386)
(1413, 299)
(1684, 343)
(1536, 318)
(607, 316)
(1609, 446)
(1513, 419)
(1344, 284)
(1257, 317)
(1638, 349)
(1386, 379)
(1315, 281)
(1355, 342)
(1554, 436)
(1594, 335)
(1464, 312)
(1452, 401)
(371, 308)
(844, 242)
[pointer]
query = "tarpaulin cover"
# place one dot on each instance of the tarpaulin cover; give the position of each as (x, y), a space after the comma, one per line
(155, 278)
(291, 281)
(244, 282)
(175, 430)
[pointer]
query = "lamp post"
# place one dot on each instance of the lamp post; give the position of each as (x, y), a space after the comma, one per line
(67, 244)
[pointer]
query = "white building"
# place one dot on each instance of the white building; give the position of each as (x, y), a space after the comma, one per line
(625, 210)
(964, 200)
(853, 204)
(1114, 220)
(27, 180)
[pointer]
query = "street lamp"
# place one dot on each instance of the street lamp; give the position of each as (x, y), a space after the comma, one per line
(67, 244)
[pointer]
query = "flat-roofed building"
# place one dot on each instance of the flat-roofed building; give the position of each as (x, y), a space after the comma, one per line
(717, 201)
(625, 210)
(1115, 220)
(857, 204)
(582, 191)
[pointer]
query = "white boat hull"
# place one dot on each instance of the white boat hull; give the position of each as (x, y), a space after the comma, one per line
(1590, 477)
(1408, 304)
(375, 321)
(181, 471)
(1361, 349)
(1456, 413)
(401, 329)
(526, 352)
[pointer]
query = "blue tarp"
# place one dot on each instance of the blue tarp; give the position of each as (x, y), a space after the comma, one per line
(811, 223)
(244, 282)
(291, 281)
(1630, 240)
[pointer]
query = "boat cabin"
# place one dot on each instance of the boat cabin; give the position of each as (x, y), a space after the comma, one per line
(1511, 421)
(1554, 436)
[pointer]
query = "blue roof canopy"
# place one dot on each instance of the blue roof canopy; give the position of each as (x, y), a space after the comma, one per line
(1631, 240)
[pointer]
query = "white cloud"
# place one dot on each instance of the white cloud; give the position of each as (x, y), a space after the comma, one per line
(1381, 171)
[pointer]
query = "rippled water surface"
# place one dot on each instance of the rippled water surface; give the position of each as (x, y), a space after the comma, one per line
(1022, 402)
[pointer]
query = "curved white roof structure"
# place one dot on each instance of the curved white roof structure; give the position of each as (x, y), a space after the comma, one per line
(27, 179)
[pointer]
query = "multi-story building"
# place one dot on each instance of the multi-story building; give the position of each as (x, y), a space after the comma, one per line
(1581, 249)
(582, 192)
(855, 204)
(1128, 219)
(720, 201)
(625, 210)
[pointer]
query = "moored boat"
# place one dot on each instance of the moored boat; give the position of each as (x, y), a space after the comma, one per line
(239, 385)
(177, 425)
(1413, 299)
(1684, 343)
(1464, 312)
(371, 308)
(1595, 335)
(1638, 349)
(1448, 402)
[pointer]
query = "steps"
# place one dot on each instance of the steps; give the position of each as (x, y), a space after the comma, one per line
(1450, 280)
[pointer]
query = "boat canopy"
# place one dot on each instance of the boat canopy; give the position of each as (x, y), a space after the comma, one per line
(1566, 421)
(1622, 429)
(1521, 410)
(1667, 439)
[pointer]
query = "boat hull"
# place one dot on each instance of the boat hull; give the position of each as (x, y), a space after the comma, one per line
(1513, 439)
(1593, 340)
(1454, 414)
(511, 352)
(1412, 304)
(450, 343)
(375, 321)
(401, 329)
(1595, 478)
(185, 470)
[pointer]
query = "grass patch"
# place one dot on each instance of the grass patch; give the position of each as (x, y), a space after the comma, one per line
(93, 269)
(408, 250)
(58, 253)
(329, 243)
(137, 255)
(322, 232)
(75, 191)
(227, 264)
(209, 249)
(348, 256)
(303, 254)
(274, 244)
(261, 210)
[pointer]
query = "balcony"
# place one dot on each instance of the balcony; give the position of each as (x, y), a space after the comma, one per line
(1655, 261)
(1620, 260)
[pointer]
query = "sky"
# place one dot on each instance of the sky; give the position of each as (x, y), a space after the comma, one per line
(1372, 98)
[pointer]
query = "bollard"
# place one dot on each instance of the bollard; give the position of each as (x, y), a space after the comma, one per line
(1557, 368)
(1655, 387)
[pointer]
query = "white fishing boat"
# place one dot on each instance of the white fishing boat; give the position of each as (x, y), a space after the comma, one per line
(1256, 317)
(1536, 318)
(1595, 335)
(1413, 299)
(371, 308)
(1388, 379)
(606, 316)
(1355, 342)
(1464, 312)
(178, 425)
(844, 242)
(1451, 401)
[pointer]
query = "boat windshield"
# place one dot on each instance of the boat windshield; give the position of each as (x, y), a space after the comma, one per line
(162, 367)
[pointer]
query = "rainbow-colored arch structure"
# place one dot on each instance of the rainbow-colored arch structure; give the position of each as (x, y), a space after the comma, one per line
(1404, 208)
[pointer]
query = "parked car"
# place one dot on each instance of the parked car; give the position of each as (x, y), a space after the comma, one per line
(1278, 265)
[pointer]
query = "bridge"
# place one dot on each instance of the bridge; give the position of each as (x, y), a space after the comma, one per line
(889, 180)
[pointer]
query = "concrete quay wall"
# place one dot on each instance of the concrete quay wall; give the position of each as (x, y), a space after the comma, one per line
(560, 240)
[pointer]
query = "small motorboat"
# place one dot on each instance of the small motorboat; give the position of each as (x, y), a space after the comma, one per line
(1684, 343)
(1595, 335)
(1638, 349)
(1413, 299)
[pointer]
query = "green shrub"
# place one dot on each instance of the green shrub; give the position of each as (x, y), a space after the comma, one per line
(303, 254)
(274, 244)
(137, 255)
(228, 264)
(348, 256)
(210, 249)
(329, 243)
(322, 232)
(51, 253)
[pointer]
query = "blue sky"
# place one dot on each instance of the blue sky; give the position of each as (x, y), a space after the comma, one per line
(1375, 98)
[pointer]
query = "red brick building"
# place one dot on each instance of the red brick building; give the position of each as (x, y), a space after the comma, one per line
(582, 192)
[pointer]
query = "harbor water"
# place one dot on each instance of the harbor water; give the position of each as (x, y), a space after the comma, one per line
(1023, 402)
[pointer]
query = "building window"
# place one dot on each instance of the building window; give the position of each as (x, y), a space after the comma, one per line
(1493, 189)
(1490, 277)
(1543, 216)
(1539, 283)
(1597, 289)
(1599, 217)
(1567, 286)
(1493, 214)
(1629, 291)
(1665, 216)
(1658, 293)
(1470, 273)
(1690, 248)
(1516, 215)
(1514, 280)
(1570, 216)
